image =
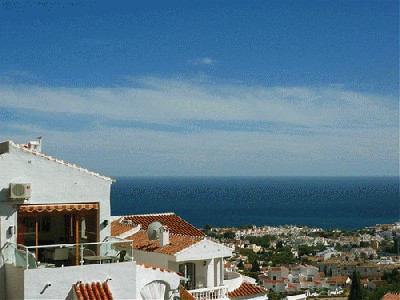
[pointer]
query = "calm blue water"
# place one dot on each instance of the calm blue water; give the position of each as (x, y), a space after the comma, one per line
(336, 202)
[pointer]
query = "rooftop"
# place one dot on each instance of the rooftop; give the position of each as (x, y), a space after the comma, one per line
(93, 291)
(391, 296)
(247, 289)
(176, 244)
(175, 224)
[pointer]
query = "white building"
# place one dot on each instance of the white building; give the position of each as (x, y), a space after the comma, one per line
(183, 248)
(54, 221)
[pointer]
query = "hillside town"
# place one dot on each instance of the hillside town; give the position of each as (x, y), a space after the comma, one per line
(293, 260)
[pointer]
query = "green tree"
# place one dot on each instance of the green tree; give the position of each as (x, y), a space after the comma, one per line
(240, 265)
(229, 235)
(355, 289)
(255, 267)
(207, 227)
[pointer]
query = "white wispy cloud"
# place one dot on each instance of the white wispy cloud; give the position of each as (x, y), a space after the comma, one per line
(342, 132)
(203, 61)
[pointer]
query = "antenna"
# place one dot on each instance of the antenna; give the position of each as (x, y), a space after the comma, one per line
(154, 231)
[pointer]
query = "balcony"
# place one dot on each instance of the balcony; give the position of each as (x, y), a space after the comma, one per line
(29, 278)
(232, 280)
(220, 292)
(64, 255)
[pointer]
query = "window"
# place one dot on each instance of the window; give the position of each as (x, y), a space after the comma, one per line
(188, 270)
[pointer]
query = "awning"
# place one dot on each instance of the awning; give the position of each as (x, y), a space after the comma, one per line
(59, 208)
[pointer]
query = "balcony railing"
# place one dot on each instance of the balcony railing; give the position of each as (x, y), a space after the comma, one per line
(220, 292)
(57, 255)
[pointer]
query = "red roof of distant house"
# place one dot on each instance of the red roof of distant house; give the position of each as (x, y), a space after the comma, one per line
(317, 281)
(340, 279)
(92, 291)
(247, 289)
(229, 264)
(277, 269)
(391, 296)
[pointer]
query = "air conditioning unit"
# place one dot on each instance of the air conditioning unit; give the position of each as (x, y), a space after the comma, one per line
(20, 191)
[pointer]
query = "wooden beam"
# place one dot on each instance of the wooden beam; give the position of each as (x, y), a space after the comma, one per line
(77, 239)
(37, 238)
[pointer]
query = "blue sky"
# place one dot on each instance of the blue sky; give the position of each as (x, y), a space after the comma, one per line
(205, 88)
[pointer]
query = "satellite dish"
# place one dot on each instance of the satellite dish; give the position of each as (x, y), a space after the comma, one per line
(153, 231)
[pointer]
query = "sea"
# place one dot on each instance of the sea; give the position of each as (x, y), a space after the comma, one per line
(323, 202)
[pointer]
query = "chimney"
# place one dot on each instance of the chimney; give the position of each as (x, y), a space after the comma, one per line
(36, 145)
(164, 239)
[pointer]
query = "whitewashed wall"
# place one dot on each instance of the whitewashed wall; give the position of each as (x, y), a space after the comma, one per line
(52, 183)
(33, 282)
(148, 275)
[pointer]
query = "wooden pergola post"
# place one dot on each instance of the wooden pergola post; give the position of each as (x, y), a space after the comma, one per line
(37, 237)
(77, 239)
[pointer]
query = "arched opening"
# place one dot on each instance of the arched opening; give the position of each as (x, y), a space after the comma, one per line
(156, 289)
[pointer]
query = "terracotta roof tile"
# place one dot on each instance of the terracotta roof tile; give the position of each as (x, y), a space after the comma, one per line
(340, 279)
(117, 228)
(391, 296)
(147, 266)
(279, 269)
(175, 224)
(93, 291)
(176, 243)
(247, 289)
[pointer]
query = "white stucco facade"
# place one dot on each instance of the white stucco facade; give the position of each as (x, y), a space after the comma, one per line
(52, 182)
(57, 283)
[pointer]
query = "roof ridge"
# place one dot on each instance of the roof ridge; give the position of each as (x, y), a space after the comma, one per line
(154, 214)
(60, 161)
(195, 237)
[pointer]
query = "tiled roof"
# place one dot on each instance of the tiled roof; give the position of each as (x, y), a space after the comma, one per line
(26, 149)
(117, 228)
(311, 266)
(246, 289)
(92, 291)
(279, 269)
(175, 224)
(176, 243)
(317, 281)
(184, 294)
(340, 279)
(391, 296)
(147, 266)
